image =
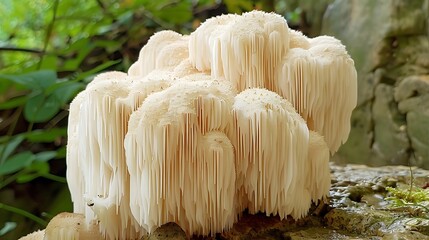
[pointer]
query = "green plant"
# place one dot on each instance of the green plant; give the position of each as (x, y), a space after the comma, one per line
(37, 100)
(413, 197)
(400, 196)
(40, 72)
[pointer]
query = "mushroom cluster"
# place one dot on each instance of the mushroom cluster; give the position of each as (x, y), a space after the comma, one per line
(241, 114)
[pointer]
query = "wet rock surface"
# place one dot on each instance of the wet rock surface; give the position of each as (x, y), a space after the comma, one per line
(358, 202)
(356, 209)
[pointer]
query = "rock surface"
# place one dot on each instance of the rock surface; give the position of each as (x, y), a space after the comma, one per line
(412, 94)
(356, 209)
(389, 42)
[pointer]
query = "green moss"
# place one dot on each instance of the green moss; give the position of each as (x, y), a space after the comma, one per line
(414, 195)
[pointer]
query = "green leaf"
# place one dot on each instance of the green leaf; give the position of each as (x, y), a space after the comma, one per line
(8, 226)
(65, 91)
(83, 47)
(181, 10)
(61, 152)
(4, 86)
(109, 45)
(35, 170)
(16, 162)
(40, 108)
(97, 69)
(45, 156)
(48, 135)
(206, 2)
(7, 148)
(162, 11)
(27, 177)
(13, 102)
(238, 6)
(49, 62)
(38, 80)
(39, 167)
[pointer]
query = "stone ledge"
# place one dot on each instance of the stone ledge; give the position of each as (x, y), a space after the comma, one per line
(357, 209)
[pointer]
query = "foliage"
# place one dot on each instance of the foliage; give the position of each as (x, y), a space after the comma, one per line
(49, 51)
(399, 196)
(414, 201)
(413, 197)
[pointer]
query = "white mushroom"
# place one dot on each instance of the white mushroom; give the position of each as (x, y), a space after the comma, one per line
(177, 154)
(75, 166)
(185, 68)
(36, 235)
(164, 49)
(96, 157)
(321, 84)
(171, 141)
(298, 40)
(141, 87)
(244, 49)
(204, 38)
(272, 146)
(68, 226)
(318, 180)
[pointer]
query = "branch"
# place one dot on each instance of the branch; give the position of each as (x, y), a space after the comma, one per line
(24, 213)
(49, 32)
(29, 50)
(17, 49)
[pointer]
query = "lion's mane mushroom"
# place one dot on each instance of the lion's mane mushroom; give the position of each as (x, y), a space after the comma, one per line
(203, 126)
(311, 73)
(98, 135)
(244, 49)
(272, 141)
(165, 49)
(180, 161)
(318, 178)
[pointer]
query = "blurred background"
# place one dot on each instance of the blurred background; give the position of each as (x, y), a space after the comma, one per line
(50, 50)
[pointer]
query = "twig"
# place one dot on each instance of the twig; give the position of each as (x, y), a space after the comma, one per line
(23, 213)
(156, 20)
(16, 49)
(411, 175)
(29, 50)
(10, 179)
(54, 121)
(54, 177)
(49, 32)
